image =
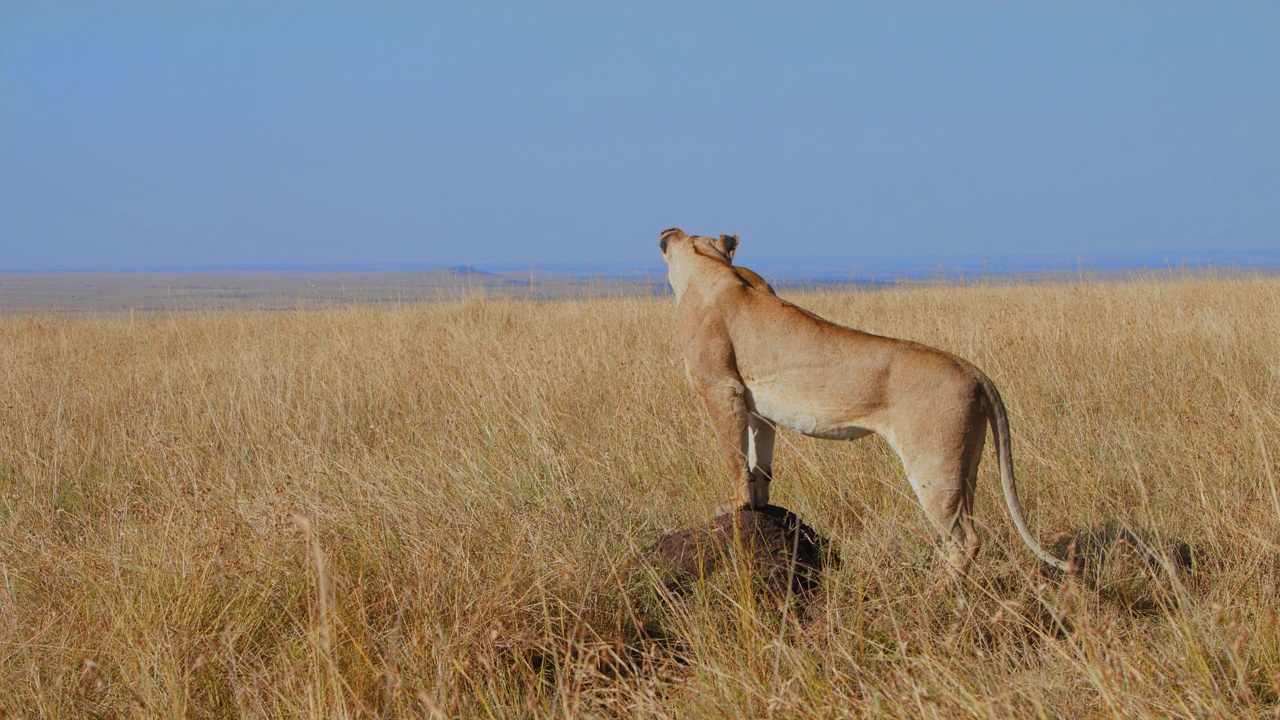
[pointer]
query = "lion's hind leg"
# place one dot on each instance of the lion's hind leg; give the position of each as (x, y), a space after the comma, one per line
(944, 477)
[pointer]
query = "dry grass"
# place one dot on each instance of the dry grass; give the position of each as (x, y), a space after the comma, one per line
(427, 510)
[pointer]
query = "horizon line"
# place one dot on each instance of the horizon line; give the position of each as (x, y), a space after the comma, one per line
(786, 264)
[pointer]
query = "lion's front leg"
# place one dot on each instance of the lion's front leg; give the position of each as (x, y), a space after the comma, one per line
(760, 437)
(726, 405)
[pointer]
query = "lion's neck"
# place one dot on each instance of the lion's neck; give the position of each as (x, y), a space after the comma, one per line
(679, 275)
(697, 271)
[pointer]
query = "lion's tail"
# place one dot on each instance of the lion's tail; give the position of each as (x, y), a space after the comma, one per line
(1004, 454)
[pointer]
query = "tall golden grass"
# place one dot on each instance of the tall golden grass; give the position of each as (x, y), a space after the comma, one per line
(429, 511)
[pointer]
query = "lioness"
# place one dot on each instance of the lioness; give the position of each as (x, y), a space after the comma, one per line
(758, 361)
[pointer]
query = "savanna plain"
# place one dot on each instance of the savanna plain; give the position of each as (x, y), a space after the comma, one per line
(435, 510)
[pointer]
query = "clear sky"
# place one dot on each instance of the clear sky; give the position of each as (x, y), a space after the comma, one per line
(197, 134)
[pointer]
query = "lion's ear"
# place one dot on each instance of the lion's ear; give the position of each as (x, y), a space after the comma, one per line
(728, 244)
(669, 234)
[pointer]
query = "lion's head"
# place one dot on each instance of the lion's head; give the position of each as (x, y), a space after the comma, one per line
(672, 240)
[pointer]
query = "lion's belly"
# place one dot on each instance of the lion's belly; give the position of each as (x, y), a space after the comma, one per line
(803, 417)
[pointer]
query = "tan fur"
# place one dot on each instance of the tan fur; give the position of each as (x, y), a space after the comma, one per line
(727, 245)
(758, 361)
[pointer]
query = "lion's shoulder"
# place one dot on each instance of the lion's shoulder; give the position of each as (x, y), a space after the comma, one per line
(753, 279)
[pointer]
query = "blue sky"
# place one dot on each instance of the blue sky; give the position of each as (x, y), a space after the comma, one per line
(199, 134)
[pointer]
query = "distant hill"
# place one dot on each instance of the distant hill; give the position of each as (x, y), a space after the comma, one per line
(820, 269)
(873, 268)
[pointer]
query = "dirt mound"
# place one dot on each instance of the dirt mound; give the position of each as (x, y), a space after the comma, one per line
(1131, 567)
(776, 543)
(1116, 541)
